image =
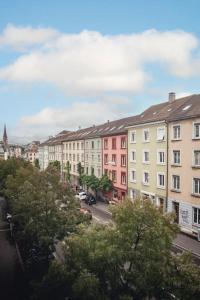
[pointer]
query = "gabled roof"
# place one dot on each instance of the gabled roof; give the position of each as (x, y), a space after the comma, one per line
(182, 108)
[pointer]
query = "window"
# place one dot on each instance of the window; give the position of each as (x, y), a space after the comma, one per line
(176, 182)
(113, 143)
(99, 172)
(146, 178)
(66, 146)
(132, 194)
(74, 168)
(82, 146)
(196, 186)
(114, 176)
(99, 158)
(160, 157)
(106, 172)
(105, 159)
(146, 157)
(66, 156)
(105, 144)
(196, 215)
(123, 160)
(73, 146)
(92, 157)
(98, 144)
(82, 157)
(176, 132)
(146, 135)
(73, 157)
(160, 133)
(197, 158)
(70, 146)
(70, 157)
(77, 146)
(133, 156)
(176, 157)
(123, 143)
(92, 144)
(132, 175)
(86, 145)
(78, 157)
(123, 178)
(87, 170)
(114, 159)
(133, 137)
(86, 157)
(196, 131)
(160, 180)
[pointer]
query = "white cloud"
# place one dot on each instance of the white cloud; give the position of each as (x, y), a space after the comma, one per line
(19, 38)
(50, 121)
(90, 63)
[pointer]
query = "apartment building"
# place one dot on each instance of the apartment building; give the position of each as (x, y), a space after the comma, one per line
(148, 153)
(114, 156)
(73, 152)
(43, 155)
(184, 164)
(93, 155)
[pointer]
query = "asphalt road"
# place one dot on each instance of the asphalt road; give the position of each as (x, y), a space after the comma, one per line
(11, 283)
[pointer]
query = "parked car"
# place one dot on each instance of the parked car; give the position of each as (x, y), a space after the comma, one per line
(86, 212)
(81, 195)
(90, 199)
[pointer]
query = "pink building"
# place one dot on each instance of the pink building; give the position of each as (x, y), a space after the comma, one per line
(114, 154)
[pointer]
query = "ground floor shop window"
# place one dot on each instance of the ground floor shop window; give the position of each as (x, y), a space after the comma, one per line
(196, 215)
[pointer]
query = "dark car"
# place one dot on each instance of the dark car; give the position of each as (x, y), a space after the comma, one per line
(90, 199)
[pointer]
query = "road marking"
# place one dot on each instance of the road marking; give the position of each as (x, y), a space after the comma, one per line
(97, 219)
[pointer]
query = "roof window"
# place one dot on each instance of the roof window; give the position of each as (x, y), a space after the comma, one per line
(186, 107)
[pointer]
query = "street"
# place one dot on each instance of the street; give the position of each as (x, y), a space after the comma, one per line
(11, 282)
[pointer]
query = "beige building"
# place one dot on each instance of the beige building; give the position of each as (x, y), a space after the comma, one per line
(93, 156)
(147, 162)
(184, 164)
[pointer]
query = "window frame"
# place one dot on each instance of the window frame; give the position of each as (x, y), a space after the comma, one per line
(143, 135)
(173, 138)
(172, 183)
(158, 156)
(132, 141)
(158, 183)
(158, 128)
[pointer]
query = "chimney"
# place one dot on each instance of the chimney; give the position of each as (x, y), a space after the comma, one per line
(108, 121)
(172, 97)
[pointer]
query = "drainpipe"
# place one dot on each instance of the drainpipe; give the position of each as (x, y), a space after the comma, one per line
(167, 169)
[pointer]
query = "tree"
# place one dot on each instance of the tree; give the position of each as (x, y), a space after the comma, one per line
(55, 164)
(68, 169)
(130, 259)
(80, 171)
(34, 199)
(10, 167)
(36, 163)
(105, 184)
(93, 183)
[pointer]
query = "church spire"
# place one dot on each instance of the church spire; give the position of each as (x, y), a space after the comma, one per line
(5, 137)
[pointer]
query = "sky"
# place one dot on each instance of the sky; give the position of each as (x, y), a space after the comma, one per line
(65, 64)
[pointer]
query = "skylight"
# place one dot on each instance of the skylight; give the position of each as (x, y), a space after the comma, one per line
(100, 129)
(169, 109)
(120, 126)
(112, 128)
(107, 128)
(141, 116)
(186, 107)
(155, 112)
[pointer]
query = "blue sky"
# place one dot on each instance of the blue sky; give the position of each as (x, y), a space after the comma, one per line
(70, 63)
